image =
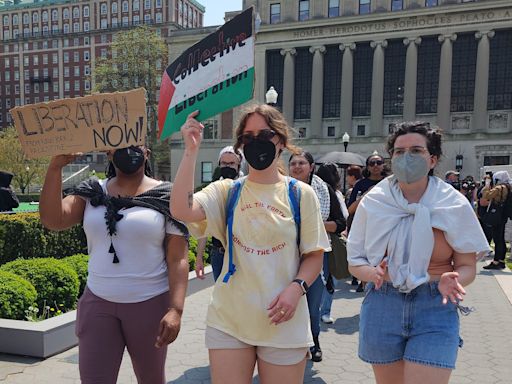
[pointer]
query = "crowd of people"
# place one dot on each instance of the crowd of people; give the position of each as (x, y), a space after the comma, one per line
(412, 243)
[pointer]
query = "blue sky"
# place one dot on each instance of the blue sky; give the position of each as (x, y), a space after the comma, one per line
(214, 13)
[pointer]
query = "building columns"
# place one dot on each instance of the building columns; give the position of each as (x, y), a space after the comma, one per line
(289, 84)
(347, 85)
(317, 91)
(376, 118)
(411, 74)
(480, 119)
(444, 94)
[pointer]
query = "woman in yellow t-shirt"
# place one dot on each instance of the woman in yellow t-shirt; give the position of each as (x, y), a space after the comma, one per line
(258, 313)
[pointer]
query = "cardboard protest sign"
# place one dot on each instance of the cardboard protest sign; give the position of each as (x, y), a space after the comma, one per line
(212, 76)
(83, 124)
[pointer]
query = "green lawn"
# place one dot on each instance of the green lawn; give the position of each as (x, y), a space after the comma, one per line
(27, 207)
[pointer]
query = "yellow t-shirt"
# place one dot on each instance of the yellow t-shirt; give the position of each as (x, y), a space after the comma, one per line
(266, 257)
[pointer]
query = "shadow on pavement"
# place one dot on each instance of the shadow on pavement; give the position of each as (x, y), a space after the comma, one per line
(310, 373)
(27, 360)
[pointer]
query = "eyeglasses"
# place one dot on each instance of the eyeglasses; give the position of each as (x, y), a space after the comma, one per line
(415, 150)
(266, 134)
(298, 164)
(231, 164)
(373, 163)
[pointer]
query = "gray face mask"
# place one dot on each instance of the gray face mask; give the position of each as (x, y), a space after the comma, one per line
(409, 168)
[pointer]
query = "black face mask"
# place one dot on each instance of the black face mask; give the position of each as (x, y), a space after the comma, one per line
(128, 160)
(228, 173)
(260, 153)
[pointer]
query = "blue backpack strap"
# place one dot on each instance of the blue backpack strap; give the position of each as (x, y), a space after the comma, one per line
(294, 198)
(233, 196)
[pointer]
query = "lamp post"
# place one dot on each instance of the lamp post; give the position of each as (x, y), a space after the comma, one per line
(271, 96)
(459, 159)
(345, 139)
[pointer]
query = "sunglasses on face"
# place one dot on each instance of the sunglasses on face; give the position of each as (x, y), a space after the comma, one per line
(373, 163)
(266, 134)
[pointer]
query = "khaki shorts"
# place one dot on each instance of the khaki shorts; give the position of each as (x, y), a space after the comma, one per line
(216, 339)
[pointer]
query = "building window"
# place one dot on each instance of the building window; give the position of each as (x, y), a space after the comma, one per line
(303, 10)
(87, 85)
(500, 75)
(463, 73)
(125, 6)
(86, 56)
(45, 87)
(36, 85)
(26, 74)
(303, 69)
(210, 131)
(7, 63)
(25, 61)
(55, 87)
(45, 16)
(76, 57)
(55, 72)
(66, 28)
(431, 3)
(158, 3)
(35, 17)
(26, 19)
(86, 39)
(147, 4)
(45, 59)
(332, 81)
(55, 15)
(66, 57)
(496, 160)
(76, 71)
(76, 13)
(394, 77)
(364, 6)
(114, 22)
(15, 20)
(136, 5)
(397, 5)
(103, 53)
(66, 71)
(361, 130)
(331, 131)
(76, 27)
(87, 70)
(86, 28)
(275, 67)
(114, 7)
(125, 20)
(86, 11)
(16, 76)
(429, 55)
(206, 171)
(158, 17)
(66, 86)
(6, 20)
(275, 13)
(334, 8)
(65, 13)
(27, 88)
(77, 85)
(103, 24)
(103, 9)
(363, 67)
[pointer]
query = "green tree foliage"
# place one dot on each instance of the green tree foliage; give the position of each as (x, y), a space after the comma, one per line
(137, 58)
(26, 171)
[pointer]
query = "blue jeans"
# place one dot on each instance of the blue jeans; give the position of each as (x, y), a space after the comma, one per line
(216, 260)
(314, 297)
(412, 326)
(325, 307)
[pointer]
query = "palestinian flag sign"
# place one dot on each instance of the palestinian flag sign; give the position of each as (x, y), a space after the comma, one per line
(214, 75)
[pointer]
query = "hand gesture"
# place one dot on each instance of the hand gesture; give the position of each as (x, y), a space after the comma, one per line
(450, 288)
(192, 132)
(169, 328)
(199, 268)
(283, 307)
(379, 273)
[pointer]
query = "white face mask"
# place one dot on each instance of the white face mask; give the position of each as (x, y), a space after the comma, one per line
(409, 168)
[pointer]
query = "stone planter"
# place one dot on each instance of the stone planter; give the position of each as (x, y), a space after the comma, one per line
(48, 337)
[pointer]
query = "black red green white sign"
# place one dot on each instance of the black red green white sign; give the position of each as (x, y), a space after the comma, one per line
(214, 75)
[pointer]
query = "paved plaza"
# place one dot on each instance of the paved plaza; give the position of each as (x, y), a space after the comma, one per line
(486, 357)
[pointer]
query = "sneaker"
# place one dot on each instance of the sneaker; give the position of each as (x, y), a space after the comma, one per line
(354, 281)
(327, 319)
(360, 287)
(316, 354)
(495, 265)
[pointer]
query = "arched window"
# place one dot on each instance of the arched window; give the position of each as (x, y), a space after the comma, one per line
(14, 19)
(55, 15)
(6, 20)
(86, 11)
(35, 17)
(26, 18)
(136, 5)
(103, 8)
(65, 13)
(114, 7)
(76, 12)
(125, 6)
(45, 16)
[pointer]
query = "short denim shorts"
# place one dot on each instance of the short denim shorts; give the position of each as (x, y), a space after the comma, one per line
(415, 326)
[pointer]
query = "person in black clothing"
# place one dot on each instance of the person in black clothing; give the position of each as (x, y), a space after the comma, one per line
(8, 199)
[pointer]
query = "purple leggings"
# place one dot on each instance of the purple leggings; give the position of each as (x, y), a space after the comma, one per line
(105, 328)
